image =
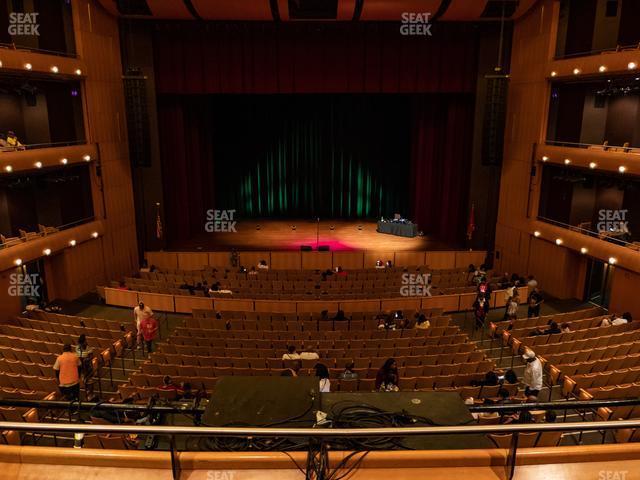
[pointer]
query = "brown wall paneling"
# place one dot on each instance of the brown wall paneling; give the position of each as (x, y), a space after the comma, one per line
(447, 302)
(158, 301)
(231, 305)
(275, 306)
(464, 259)
(163, 260)
(348, 260)
(360, 306)
(251, 259)
(286, 260)
(220, 259)
(403, 259)
(317, 306)
(440, 260)
(371, 256)
(10, 305)
(184, 304)
(193, 261)
(401, 303)
(316, 260)
(624, 293)
(121, 298)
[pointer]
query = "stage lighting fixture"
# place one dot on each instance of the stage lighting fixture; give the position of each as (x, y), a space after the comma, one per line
(87, 158)
(583, 250)
(78, 71)
(28, 66)
(94, 234)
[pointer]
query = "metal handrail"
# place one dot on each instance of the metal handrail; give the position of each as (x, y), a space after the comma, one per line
(18, 47)
(633, 150)
(583, 231)
(617, 48)
(316, 432)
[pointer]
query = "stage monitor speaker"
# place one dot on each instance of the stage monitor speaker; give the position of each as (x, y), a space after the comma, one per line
(324, 248)
(305, 248)
(256, 401)
(495, 111)
(135, 94)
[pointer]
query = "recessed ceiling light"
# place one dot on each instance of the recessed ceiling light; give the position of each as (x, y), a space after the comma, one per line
(536, 233)
(567, 161)
(18, 261)
(622, 169)
(54, 69)
(583, 250)
(94, 234)
(9, 168)
(576, 71)
(28, 66)
(613, 260)
(593, 165)
(553, 74)
(602, 68)
(87, 158)
(46, 251)
(545, 158)
(64, 161)
(72, 243)
(38, 164)
(78, 71)
(632, 65)
(558, 241)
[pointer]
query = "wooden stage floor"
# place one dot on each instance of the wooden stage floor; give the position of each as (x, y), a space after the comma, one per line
(279, 235)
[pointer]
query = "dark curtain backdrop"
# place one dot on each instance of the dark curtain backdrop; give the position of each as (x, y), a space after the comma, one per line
(337, 156)
(308, 57)
(441, 143)
(333, 156)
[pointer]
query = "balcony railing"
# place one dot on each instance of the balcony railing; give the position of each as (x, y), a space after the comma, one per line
(13, 46)
(35, 146)
(608, 236)
(618, 48)
(595, 146)
(43, 232)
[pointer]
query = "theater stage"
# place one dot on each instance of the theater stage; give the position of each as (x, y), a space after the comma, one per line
(279, 235)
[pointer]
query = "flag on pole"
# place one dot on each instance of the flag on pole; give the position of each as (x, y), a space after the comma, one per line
(158, 222)
(472, 222)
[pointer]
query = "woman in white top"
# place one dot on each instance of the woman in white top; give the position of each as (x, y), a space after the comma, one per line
(291, 354)
(322, 372)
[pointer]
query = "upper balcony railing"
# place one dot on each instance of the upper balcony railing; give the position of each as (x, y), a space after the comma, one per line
(618, 48)
(604, 147)
(13, 46)
(586, 228)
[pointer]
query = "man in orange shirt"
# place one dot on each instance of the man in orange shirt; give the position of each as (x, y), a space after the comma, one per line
(67, 368)
(149, 329)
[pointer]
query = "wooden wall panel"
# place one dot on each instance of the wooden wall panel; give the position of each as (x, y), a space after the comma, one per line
(163, 260)
(403, 259)
(158, 301)
(231, 305)
(275, 306)
(371, 256)
(317, 306)
(286, 260)
(220, 259)
(10, 305)
(121, 298)
(348, 260)
(317, 260)
(401, 303)
(251, 259)
(193, 260)
(360, 306)
(184, 304)
(440, 260)
(464, 259)
(554, 267)
(447, 302)
(624, 293)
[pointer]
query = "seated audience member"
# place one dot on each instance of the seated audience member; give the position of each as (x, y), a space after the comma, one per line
(68, 368)
(4, 145)
(309, 354)
(168, 385)
(122, 285)
(340, 316)
(214, 287)
(390, 322)
(379, 264)
(340, 272)
(291, 354)
(262, 265)
(288, 372)
(389, 264)
(13, 142)
(491, 379)
(324, 315)
(553, 329)
(626, 318)
(550, 416)
(348, 373)
(565, 327)
(606, 322)
(145, 267)
(253, 271)
(387, 378)
(322, 372)
(187, 392)
(422, 322)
